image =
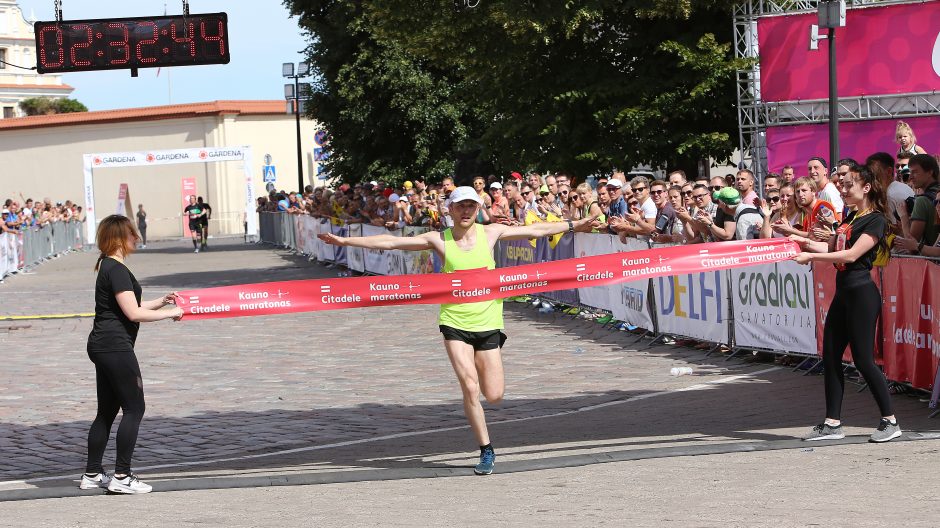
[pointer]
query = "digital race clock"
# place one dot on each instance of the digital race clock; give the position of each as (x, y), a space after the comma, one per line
(131, 43)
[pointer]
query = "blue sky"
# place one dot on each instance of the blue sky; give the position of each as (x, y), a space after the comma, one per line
(262, 36)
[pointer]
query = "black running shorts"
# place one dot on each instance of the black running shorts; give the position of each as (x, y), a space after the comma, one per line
(487, 340)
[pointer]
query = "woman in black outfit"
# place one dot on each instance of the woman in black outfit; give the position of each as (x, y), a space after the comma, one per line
(118, 314)
(853, 314)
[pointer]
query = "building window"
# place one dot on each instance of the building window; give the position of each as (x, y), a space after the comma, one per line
(3, 58)
(8, 112)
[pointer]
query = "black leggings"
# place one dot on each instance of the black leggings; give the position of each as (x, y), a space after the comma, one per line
(119, 387)
(852, 320)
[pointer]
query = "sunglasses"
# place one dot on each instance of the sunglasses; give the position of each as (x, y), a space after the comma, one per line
(698, 196)
(716, 187)
(564, 193)
(575, 196)
(657, 191)
(687, 193)
(773, 199)
(526, 193)
(900, 166)
(638, 189)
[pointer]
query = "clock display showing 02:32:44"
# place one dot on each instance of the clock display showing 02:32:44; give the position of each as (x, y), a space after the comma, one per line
(131, 43)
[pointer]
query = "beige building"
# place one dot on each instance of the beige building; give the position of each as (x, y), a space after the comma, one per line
(43, 156)
(18, 48)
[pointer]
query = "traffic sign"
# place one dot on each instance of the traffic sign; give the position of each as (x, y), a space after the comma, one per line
(270, 174)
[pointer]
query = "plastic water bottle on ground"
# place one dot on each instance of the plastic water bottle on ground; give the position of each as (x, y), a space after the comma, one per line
(681, 371)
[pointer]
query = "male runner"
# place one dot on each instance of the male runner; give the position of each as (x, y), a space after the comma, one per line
(473, 330)
(195, 212)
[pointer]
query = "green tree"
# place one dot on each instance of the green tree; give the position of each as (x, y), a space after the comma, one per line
(389, 115)
(45, 106)
(576, 85)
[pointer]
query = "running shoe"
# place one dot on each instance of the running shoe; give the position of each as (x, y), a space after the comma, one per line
(886, 432)
(129, 485)
(604, 319)
(100, 480)
(825, 431)
(487, 461)
(196, 250)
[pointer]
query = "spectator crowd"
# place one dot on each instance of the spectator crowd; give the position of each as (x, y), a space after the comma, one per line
(17, 216)
(676, 210)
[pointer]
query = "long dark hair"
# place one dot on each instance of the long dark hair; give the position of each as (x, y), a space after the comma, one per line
(877, 198)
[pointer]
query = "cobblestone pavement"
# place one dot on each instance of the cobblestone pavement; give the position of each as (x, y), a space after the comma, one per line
(369, 390)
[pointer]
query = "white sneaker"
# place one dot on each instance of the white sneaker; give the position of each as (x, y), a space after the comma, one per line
(129, 485)
(196, 250)
(101, 480)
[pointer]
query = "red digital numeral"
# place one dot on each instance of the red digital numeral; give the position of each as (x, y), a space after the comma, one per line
(190, 32)
(156, 36)
(81, 45)
(120, 43)
(220, 38)
(43, 57)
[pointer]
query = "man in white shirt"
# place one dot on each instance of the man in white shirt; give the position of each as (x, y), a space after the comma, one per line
(641, 191)
(819, 172)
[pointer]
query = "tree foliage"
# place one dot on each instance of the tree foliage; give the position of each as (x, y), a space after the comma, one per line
(577, 85)
(46, 106)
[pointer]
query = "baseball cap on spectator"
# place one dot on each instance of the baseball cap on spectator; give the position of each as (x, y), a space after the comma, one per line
(820, 160)
(344, 187)
(614, 182)
(388, 192)
(496, 185)
(393, 198)
(408, 185)
(464, 193)
(728, 195)
(544, 189)
(374, 183)
(515, 175)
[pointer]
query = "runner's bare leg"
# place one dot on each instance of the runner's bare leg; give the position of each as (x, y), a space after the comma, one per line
(466, 368)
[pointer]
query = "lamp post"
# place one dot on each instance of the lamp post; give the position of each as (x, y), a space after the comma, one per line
(292, 93)
(831, 16)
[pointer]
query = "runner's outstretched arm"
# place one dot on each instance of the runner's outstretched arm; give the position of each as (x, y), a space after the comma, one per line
(415, 243)
(543, 229)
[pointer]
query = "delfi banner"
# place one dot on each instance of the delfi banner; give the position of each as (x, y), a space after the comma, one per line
(882, 50)
(693, 304)
(774, 307)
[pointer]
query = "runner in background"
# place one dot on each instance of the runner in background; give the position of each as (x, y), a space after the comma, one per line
(142, 225)
(473, 331)
(204, 236)
(194, 212)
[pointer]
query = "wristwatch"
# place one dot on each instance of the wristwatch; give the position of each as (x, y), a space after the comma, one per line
(570, 226)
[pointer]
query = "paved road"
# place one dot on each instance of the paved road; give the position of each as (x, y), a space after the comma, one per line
(593, 429)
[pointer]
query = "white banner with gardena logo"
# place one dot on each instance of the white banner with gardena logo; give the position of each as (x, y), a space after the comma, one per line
(106, 160)
(774, 307)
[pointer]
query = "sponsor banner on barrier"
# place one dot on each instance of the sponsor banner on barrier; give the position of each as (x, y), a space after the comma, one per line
(588, 246)
(629, 301)
(376, 260)
(481, 285)
(911, 323)
(774, 307)
(824, 278)
(693, 304)
(417, 262)
(355, 257)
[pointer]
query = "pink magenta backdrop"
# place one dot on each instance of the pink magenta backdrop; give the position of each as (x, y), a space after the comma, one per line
(881, 50)
(793, 145)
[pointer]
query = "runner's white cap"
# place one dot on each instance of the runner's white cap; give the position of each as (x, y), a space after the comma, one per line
(496, 185)
(465, 193)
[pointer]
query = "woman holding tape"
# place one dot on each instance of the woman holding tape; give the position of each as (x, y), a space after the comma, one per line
(118, 314)
(473, 331)
(853, 314)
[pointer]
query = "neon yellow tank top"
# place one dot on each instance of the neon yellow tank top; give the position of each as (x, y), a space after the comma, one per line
(471, 316)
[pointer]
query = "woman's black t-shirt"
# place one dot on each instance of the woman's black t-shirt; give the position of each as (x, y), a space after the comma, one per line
(112, 330)
(874, 224)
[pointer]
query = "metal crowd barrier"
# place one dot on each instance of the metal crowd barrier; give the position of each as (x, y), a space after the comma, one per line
(29, 247)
